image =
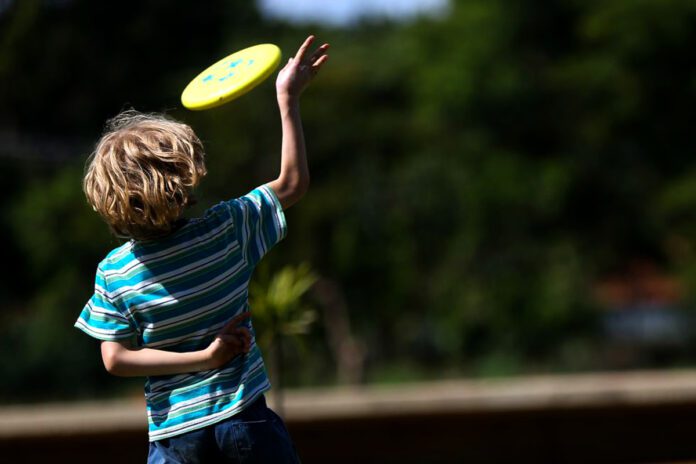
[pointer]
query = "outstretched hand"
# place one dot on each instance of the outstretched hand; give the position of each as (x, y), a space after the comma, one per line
(231, 341)
(300, 70)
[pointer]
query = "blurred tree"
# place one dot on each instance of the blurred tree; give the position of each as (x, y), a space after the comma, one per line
(58, 236)
(472, 176)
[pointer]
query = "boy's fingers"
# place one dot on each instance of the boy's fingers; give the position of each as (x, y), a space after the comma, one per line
(318, 64)
(318, 53)
(303, 48)
(236, 320)
(245, 336)
(238, 338)
(231, 340)
(243, 331)
(320, 61)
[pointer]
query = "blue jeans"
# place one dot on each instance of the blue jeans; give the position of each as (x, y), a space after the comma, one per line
(255, 435)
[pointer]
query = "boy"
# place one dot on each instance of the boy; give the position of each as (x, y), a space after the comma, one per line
(171, 304)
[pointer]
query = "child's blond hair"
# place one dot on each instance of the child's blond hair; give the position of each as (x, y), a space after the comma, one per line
(142, 172)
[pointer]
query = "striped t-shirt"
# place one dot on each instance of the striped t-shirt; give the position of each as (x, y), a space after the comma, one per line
(176, 294)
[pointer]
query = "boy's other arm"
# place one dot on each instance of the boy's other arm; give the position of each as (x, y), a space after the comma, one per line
(293, 180)
(121, 359)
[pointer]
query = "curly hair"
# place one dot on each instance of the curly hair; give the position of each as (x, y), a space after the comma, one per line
(142, 172)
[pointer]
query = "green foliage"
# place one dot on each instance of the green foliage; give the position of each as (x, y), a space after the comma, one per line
(280, 314)
(278, 306)
(472, 176)
(58, 236)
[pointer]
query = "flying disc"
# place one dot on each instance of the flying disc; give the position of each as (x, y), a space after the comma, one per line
(231, 77)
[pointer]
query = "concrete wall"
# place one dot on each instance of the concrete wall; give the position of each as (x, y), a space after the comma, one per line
(643, 417)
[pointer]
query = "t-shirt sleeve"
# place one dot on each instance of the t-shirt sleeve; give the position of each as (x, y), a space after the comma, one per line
(101, 318)
(261, 223)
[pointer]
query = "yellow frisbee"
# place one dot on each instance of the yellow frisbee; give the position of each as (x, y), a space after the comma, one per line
(231, 77)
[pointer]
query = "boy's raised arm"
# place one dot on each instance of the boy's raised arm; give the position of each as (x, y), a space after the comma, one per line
(293, 181)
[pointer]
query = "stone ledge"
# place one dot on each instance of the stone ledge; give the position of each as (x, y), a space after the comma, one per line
(547, 392)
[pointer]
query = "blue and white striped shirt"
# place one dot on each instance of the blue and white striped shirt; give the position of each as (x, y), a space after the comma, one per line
(176, 294)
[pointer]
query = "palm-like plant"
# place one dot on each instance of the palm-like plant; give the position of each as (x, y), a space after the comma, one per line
(279, 313)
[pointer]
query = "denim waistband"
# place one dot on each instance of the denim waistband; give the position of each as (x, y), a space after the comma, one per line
(255, 410)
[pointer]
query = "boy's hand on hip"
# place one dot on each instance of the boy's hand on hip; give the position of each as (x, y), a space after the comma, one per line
(230, 342)
(300, 70)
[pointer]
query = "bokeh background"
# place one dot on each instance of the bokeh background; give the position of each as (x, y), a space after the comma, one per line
(499, 187)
